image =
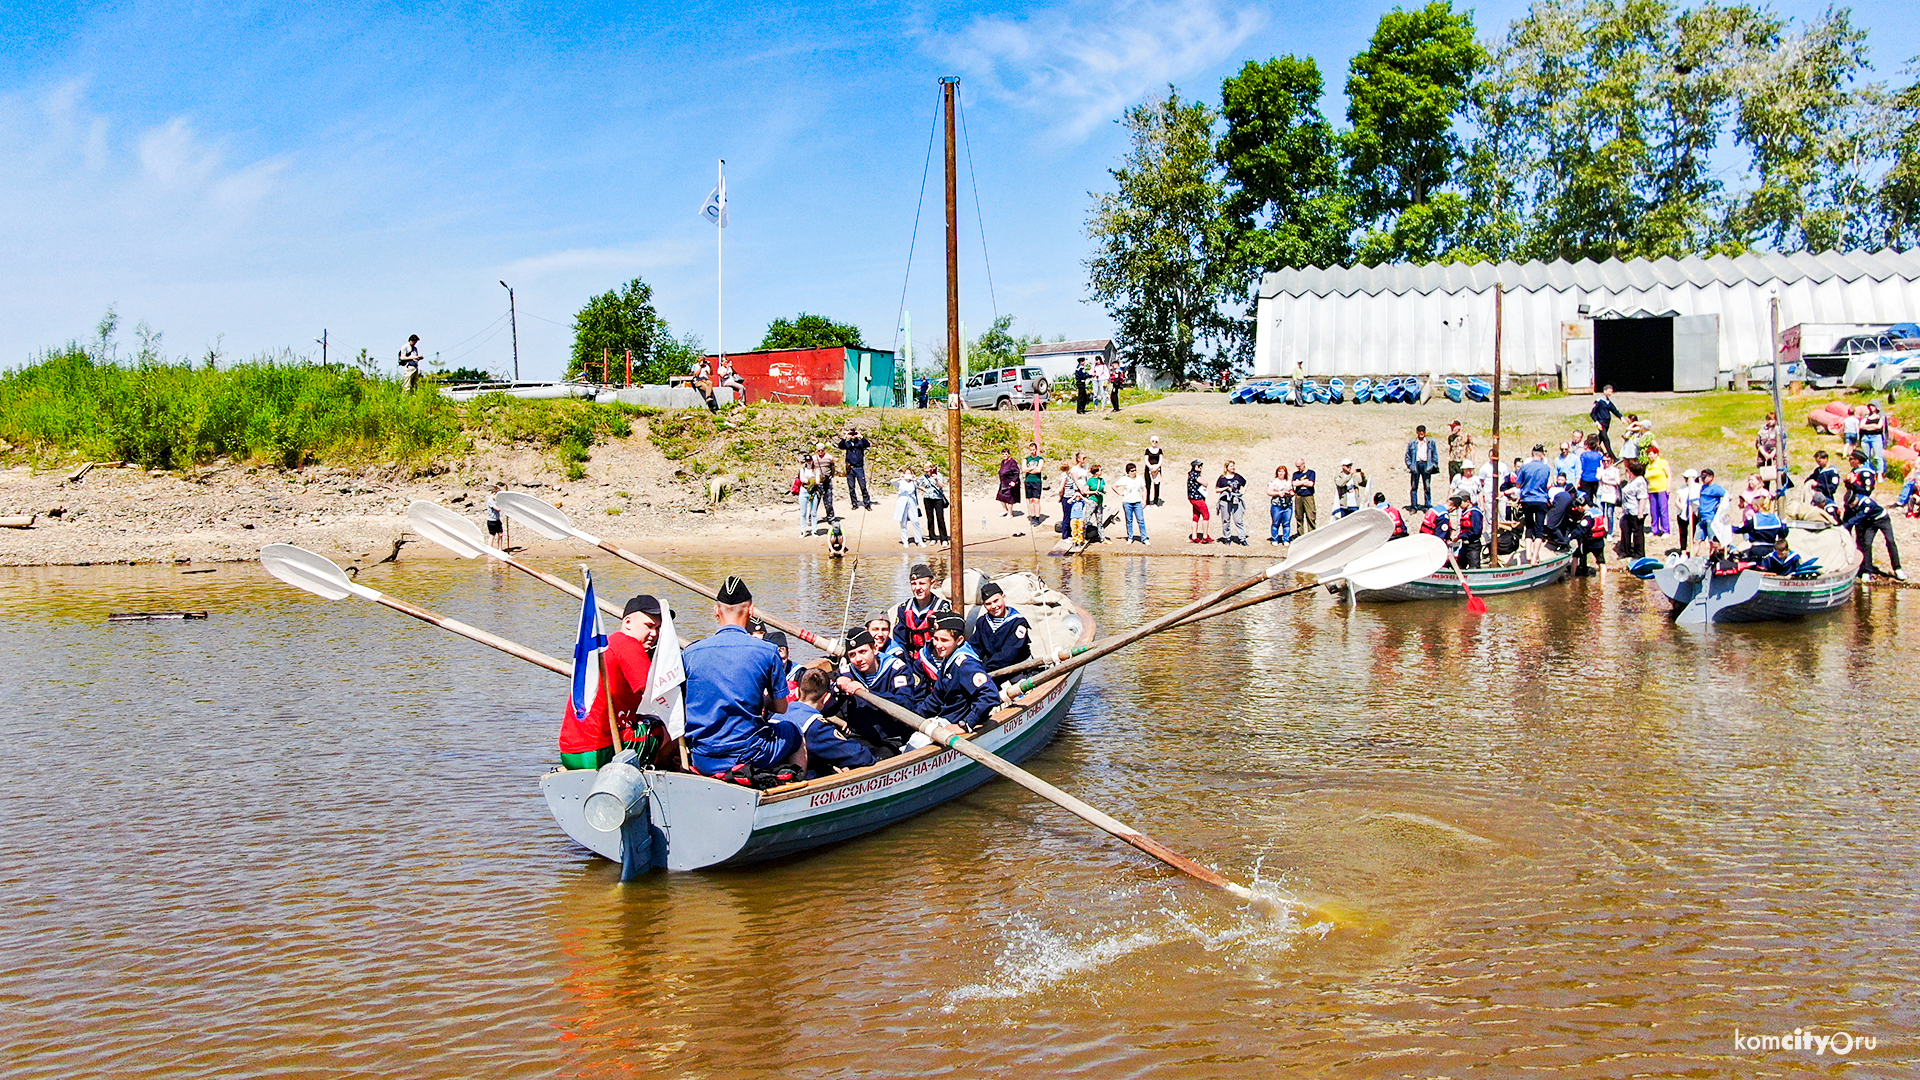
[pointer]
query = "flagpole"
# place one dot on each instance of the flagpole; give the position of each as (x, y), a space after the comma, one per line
(720, 273)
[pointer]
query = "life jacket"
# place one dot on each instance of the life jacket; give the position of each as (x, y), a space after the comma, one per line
(917, 626)
(1430, 523)
(1399, 523)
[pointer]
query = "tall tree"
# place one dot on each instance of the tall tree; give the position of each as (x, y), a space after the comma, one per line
(1285, 199)
(998, 346)
(1404, 94)
(1160, 237)
(1811, 135)
(1897, 199)
(623, 319)
(805, 331)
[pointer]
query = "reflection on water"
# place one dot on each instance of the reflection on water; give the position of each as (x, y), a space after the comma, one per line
(306, 837)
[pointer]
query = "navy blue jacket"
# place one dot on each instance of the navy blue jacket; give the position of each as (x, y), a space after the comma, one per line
(891, 681)
(913, 628)
(826, 745)
(957, 689)
(1004, 642)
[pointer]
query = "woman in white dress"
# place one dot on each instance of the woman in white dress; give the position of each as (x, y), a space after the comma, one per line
(906, 508)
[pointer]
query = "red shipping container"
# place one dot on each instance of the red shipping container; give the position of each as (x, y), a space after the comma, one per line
(794, 375)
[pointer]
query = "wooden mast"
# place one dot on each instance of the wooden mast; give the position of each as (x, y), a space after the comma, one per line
(956, 559)
(1490, 528)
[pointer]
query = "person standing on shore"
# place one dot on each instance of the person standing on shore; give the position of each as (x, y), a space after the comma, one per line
(855, 445)
(1280, 506)
(806, 485)
(1423, 460)
(1633, 512)
(1686, 513)
(1659, 482)
(1604, 412)
(933, 496)
(1305, 517)
(1009, 494)
(1197, 499)
(1459, 449)
(496, 526)
(1154, 461)
(824, 467)
(1133, 502)
(1034, 476)
(906, 507)
(410, 363)
(1873, 437)
(1233, 506)
(1081, 379)
(1115, 376)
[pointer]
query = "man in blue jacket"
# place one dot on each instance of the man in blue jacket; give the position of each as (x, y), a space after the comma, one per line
(1423, 460)
(1536, 478)
(736, 684)
(952, 684)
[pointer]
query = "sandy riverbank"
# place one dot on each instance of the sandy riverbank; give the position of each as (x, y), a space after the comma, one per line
(632, 494)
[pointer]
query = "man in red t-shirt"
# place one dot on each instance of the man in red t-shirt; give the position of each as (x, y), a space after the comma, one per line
(588, 743)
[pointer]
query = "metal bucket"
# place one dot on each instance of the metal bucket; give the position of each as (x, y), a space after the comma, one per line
(616, 789)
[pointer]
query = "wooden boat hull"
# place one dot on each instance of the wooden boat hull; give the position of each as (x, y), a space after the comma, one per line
(694, 822)
(1492, 581)
(1699, 598)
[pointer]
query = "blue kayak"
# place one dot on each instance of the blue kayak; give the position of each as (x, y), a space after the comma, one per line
(1337, 390)
(1455, 389)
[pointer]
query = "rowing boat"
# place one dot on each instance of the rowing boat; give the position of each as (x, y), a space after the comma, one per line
(1700, 596)
(1491, 581)
(689, 822)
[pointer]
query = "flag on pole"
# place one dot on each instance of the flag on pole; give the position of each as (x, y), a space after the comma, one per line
(586, 654)
(667, 680)
(716, 208)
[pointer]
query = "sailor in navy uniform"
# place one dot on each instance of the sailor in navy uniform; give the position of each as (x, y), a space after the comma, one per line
(951, 683)
(883, 675)
(1460, 528)
(913, 618)
(1000, 634)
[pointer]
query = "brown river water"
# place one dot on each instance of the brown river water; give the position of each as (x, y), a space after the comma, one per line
(305, 838)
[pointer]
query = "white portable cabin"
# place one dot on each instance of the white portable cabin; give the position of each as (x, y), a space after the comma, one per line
(1637, 324)
(1058, 358)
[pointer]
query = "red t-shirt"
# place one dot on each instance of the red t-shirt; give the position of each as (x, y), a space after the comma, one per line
(627, 667)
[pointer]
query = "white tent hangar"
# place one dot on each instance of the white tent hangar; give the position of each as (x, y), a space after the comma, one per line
(1638, 324)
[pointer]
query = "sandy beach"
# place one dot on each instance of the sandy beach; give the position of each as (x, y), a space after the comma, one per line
(636, 496)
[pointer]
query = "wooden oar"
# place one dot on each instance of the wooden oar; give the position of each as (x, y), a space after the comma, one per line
(547, 520)
(1373, 569)
(316, 574)
(954, 739)
(462, 537)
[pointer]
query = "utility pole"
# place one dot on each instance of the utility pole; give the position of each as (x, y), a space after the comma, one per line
(322, 339)
(1779, 419)
(956, 516)
(513, 320)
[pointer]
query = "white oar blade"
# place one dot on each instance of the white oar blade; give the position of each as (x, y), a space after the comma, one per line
(302, 569)
(1336, 545)
(447, 528)
(536, 514)
(1397, 562)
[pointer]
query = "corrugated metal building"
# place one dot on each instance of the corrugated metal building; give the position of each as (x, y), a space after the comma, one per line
(1650, 324)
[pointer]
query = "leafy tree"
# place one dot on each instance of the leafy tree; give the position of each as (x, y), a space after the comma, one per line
(1403, 96)
(1285, 199)
(1897, 199)
(623, 319)
(1160, 238)
(998, 347)
(811, 332)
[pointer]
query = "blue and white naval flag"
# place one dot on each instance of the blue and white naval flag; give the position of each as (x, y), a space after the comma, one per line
(716, 208)
(586, 653)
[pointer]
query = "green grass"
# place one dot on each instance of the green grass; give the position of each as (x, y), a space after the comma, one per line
(68, 405)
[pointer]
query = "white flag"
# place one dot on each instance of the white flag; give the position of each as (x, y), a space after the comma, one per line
(716, 208)
(667, 679)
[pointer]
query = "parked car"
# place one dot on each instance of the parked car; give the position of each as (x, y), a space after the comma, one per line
(1006, 388)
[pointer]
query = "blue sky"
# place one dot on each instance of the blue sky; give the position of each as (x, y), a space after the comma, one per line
(255, 173)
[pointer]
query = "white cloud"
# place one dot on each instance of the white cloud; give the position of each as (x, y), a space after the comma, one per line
(1084, 64)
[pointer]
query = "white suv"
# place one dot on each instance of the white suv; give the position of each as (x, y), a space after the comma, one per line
(1006, 388)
